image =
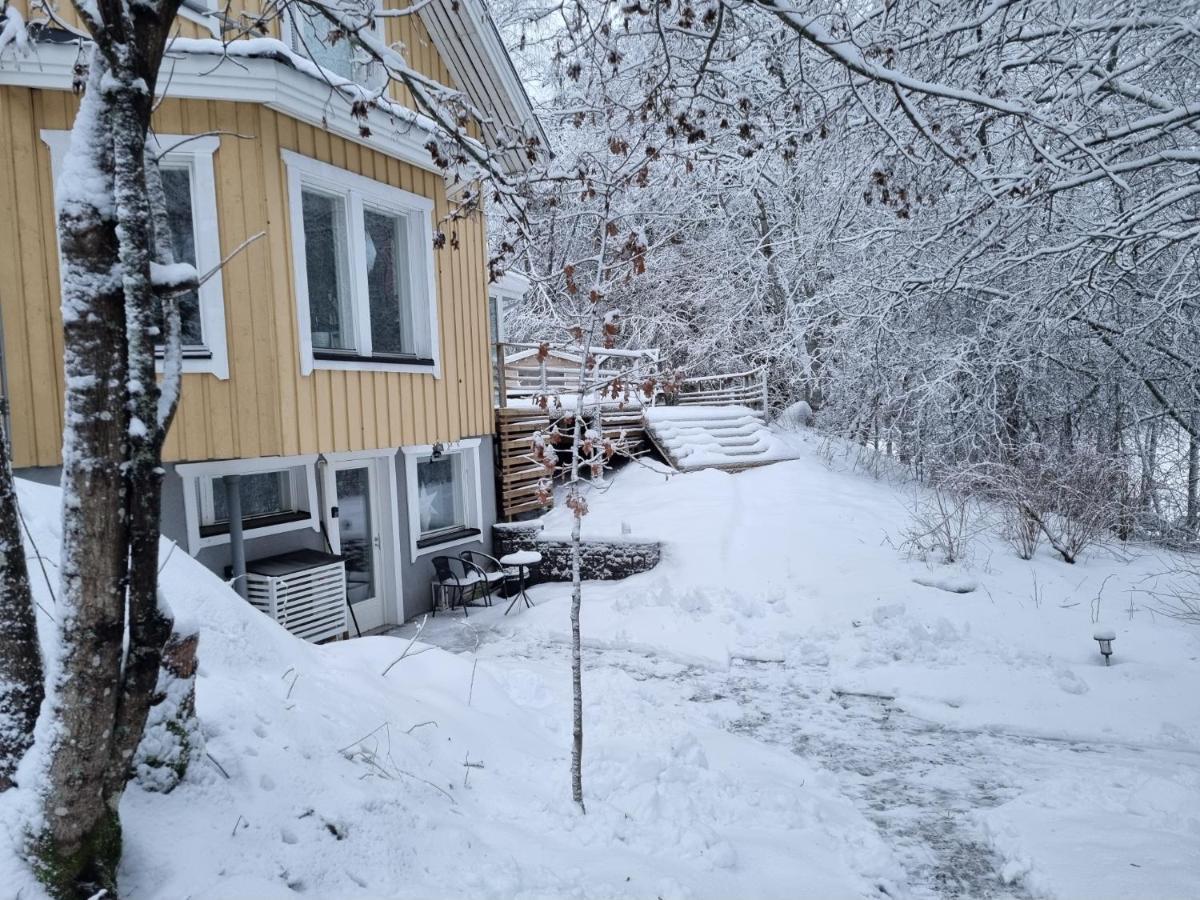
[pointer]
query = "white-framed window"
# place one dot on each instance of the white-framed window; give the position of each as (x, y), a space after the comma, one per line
(186, 164)
(364, 271)
(445, 497)
(307, 32)
(503, 295)
(277, 494)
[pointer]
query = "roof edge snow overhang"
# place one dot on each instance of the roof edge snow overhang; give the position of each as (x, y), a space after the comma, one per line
(203, 73)
(471, 47)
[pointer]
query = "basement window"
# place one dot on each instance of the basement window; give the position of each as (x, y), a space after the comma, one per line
(278, 494)
(271, 498)
(444, 495)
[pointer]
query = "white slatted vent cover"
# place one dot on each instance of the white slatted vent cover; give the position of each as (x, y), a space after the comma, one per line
(310, 604)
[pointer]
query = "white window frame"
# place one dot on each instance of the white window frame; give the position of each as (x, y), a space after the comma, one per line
(472, 499)
(197, 478)
(505, 291)
(421, 266)
(295, 490)
(375, 75)
(195, 152)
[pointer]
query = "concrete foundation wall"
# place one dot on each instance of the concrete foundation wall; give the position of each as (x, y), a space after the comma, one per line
(601, 560)
(415, 575)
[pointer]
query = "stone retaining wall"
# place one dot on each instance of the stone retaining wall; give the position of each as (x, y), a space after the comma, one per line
(602, 560)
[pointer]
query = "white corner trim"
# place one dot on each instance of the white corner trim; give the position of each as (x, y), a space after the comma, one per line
(473, 502)
(197, 152)
(303, 170)
(190, 473)
(510, 284)
(207, 20)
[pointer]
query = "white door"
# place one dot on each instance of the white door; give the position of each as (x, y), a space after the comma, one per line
(353, 488)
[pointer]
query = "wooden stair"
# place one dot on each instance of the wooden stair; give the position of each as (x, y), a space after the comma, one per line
(718, 437)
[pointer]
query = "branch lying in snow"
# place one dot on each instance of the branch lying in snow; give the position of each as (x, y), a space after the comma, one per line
(420, 628)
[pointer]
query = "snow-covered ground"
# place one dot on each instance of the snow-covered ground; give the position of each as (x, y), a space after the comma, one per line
(779, 709)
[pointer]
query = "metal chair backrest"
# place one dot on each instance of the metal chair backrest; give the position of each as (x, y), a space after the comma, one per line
(481, 561)
(445, 572)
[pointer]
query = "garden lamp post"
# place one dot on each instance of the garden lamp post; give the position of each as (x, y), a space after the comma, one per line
(1105, 637)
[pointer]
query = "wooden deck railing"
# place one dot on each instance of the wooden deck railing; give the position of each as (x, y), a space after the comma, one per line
(531, 376)
(733, 389)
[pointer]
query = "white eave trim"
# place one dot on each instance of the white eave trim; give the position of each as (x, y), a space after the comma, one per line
(241, 79)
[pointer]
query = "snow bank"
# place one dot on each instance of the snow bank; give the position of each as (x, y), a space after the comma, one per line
(448, 777)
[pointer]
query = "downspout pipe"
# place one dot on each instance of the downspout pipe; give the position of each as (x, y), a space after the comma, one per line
(237, 543)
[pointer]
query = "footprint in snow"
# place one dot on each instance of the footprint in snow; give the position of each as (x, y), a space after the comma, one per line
(1070, 682)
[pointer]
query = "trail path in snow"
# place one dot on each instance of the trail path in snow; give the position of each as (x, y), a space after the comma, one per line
(919, 783)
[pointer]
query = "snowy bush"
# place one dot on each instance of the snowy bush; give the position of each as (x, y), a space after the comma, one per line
(796, 417)
(943, 522)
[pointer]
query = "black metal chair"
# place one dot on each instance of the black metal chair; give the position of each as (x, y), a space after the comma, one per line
(460, 585)
(494, 573)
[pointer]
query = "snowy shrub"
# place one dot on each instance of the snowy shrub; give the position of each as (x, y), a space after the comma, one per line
(1022, 529)
(1179, 595)
(943, 523)
(1084, 496)
(1072, 499)
(796, 417)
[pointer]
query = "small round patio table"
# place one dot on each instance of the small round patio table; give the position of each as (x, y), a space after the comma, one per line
(523, 561)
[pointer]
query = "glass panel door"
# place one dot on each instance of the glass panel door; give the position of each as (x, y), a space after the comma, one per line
(359, 532)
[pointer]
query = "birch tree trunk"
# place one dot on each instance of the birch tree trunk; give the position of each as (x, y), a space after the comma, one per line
(112, 627)
(79, 845)
(21, 676)
(576, 640)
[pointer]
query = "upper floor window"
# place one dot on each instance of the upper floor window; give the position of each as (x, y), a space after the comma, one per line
(364, 271)
(312, 34)
(186, 164)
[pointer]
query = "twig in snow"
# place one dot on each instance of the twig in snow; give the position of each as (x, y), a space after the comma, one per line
(170, 553)
(240, 820)
(471, 691)
(421, 725)
(420, 628)
(1096, 602)
(220, 767)
(373, 731)
(292, 687)
(468, 765)
(41, 562)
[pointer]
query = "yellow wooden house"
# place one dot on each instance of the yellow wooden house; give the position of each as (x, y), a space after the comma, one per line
(337, 372)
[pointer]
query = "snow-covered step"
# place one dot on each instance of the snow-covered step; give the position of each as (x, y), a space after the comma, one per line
(725, 437)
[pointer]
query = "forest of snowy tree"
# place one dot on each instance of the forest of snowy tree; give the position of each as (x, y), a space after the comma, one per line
(966, 234)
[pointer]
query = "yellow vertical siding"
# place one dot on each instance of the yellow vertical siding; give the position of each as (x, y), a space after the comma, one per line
(265, 407)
